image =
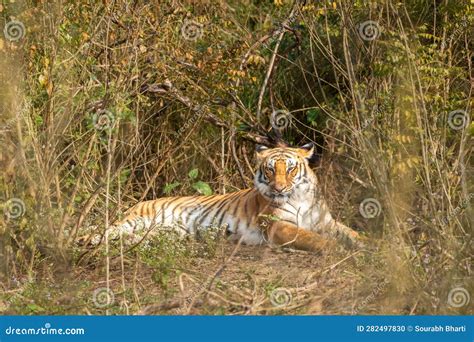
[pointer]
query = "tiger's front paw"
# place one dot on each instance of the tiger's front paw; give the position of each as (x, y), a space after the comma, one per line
(349, 237)
(354, 240)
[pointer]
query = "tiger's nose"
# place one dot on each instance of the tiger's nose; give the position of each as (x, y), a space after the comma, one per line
(279, 187)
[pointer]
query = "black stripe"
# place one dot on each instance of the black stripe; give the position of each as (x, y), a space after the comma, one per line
(206, 208)
(257, 204)
(181, 205)
(192, 199)
(207, 212)
(261, 178)
(236, 226)
(302, 181)
(198, 206)
(166, 205)
(221, 218)
(236, 207)
(163, 212)
(246, 208)
(287, 155)
(224, 211)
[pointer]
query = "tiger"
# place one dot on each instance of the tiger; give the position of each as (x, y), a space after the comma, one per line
(285, 207)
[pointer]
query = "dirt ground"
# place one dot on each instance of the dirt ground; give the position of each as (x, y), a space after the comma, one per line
(235, 279)
(225, 278)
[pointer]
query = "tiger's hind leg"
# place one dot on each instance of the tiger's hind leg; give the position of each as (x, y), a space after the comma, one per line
(287, 234)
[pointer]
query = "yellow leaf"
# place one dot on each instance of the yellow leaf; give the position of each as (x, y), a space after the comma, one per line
(49, 88)
(255, 60)
(43, 80)
(84, 36)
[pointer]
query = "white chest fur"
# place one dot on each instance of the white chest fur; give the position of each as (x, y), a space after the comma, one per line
(305, 208)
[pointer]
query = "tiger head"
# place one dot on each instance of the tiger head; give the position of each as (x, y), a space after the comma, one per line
(283, 171)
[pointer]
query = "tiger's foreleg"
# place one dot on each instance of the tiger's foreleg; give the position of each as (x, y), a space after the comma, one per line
(287, 234)
(347, 235)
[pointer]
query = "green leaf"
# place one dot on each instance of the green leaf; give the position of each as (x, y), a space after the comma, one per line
(243, 127)
(202, 188)
(271, 217)
(312, 116)
(124, 174)
(471, 129)
(169, 187)
(35, 308)
(38, 120)
(193, 173)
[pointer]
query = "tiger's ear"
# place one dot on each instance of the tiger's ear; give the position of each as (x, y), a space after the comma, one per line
(260, 149)
(308, 152)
